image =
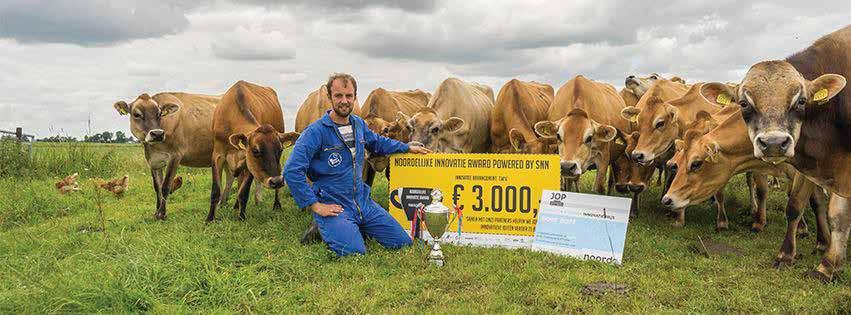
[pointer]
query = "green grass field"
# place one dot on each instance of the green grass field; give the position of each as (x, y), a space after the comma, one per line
(89, 252)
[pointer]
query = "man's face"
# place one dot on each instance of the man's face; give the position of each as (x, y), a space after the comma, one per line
(342, 97)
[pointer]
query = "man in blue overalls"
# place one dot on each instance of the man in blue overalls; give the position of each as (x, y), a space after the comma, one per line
(330, 152)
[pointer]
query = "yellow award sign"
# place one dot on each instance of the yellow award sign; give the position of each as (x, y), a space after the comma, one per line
(498, 194)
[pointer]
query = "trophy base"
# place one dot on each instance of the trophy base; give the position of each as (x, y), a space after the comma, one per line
(435, 256)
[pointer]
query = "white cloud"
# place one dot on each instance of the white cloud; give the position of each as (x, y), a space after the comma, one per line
(253, 44)
(56, 78)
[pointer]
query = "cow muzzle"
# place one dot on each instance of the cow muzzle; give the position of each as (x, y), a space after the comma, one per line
(774, 146)
(155, 135)
(275, 182)
(673, 202)
(570, 168)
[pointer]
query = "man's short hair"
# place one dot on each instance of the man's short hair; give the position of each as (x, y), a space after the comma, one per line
(347, 78)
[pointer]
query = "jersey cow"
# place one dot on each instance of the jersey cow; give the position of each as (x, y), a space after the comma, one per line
(248, 139)
(798, 111)
(456, 120)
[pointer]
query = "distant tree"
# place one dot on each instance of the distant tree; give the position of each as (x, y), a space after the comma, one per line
(58, 138)
(120, 137)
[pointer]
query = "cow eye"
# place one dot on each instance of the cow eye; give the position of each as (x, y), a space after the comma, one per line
(695, 165)
(673, 167)
(588, 140)
(255, 152)
(660, 124)
(744, 104)
(435, 129)
(137, 115)
(385, 130)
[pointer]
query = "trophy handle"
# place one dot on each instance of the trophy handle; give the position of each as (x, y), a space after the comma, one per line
(452, 216)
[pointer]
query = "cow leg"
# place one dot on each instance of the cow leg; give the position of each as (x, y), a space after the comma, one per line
(157, 176)
(244, 189)
(368, 174)
(798, 196)
(602, 174)
(258, 193)
(633, 207)
(679, 217)
(277, 205)
(839, 211)
(818, 202)
(226, 188)
(760, 182)
(721, 216)
(215, 189)
(171, 170)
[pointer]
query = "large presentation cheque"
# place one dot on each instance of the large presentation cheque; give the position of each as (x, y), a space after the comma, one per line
(499, 194)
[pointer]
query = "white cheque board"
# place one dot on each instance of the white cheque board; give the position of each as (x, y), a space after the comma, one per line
(588, 227)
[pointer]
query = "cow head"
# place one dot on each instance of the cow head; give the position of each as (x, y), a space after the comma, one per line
(702, 168)
(262, 149)
(629, 175)
(640, 85)
(393, 129)
(774, 98)
(146, 117)
(658, 126)
(531, 144)
(428, 130)
(580, 140)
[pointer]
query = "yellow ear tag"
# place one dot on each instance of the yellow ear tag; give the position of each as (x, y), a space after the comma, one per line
(723, 99)
(711, 158)
(619, 141)
(241, 146)
(633, 118)
(820, 95)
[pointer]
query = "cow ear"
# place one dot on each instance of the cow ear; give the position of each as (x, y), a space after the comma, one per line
(518, 141)
(168, 109)
(630, 113)
(453, 124)
(825, 87)
(546, 128)
(122, 107)
(288, 138)
(605, 133)
(718, 93)
(673, 112)
(679, 144)
(238, 140)
(703, 115)
(713, 151)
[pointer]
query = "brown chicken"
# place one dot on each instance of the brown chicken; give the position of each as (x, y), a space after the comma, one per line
(117, 186)
(68, 184)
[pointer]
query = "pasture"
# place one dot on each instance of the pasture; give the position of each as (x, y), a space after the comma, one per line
(89, 251)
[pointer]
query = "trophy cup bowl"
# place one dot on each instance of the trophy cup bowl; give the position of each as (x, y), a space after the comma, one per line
(436, 220)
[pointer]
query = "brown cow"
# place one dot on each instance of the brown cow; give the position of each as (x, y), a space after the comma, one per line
(169, 126)
(627, 176)
(316, 104)
(248, 138)
(519, 106)
(457, 118)
(584, 116)
(382, 109)
(707, 162)
(798, 111)
(659, 119)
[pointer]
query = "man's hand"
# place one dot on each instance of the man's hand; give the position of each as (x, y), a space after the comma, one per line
(326, 210)
(418, 149)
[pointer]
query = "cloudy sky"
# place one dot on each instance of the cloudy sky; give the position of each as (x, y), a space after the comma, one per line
(64, 62)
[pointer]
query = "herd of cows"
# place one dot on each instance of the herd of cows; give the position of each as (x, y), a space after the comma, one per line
(789, 118)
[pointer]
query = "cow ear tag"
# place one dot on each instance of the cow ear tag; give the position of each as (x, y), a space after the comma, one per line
(723, 99)
(820, 95)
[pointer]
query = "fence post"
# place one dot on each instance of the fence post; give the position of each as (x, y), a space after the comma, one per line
(19, 134)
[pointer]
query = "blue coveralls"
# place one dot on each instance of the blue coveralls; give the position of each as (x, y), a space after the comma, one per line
(321, 155)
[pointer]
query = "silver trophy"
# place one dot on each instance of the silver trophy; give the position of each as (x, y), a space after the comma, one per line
(437, 220)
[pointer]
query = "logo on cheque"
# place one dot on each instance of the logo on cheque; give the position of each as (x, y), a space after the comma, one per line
(335, 159)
